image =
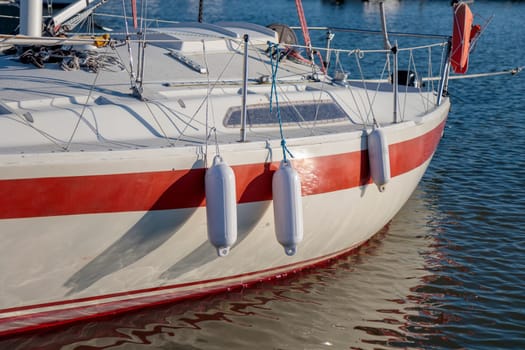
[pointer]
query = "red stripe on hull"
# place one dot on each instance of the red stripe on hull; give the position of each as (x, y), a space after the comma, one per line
(410, 154)
(177, 189)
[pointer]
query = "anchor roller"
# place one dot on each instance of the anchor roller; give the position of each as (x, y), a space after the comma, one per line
(287, 207)
(221, 207)
(378, 158)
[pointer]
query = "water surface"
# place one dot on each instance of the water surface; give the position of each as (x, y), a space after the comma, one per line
(446, 273)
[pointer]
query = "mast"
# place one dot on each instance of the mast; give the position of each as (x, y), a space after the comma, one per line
(31, 17)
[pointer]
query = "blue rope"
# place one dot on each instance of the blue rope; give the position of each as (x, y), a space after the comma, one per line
(275, 52)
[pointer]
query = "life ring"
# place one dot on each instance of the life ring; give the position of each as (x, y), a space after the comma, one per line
(461, 36)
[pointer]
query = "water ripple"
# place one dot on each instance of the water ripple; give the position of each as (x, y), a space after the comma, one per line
(447, 273)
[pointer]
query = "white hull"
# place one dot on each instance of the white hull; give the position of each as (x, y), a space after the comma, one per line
(57, 262)
(102, 193)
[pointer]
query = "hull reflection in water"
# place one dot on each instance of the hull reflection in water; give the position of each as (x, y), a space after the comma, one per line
(385, 294)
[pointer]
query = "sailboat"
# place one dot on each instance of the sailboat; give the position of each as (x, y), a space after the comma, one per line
(196, 158)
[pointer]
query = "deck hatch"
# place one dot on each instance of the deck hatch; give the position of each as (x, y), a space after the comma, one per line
(291, 113)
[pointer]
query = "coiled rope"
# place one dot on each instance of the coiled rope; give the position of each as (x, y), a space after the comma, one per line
(69, 60)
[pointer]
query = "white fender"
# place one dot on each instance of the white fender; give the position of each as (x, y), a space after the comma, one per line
(379, 158)
(221, 206)
(287, 207)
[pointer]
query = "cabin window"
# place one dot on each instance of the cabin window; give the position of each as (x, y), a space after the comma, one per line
(291, 113)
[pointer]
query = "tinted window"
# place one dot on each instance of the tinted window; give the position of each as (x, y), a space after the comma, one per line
(298, 112)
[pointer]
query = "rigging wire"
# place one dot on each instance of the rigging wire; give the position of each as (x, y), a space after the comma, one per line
(84, 107)
(130, 51)
(358, 57)
(216, 82)
(213, 129)
(339, 66)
